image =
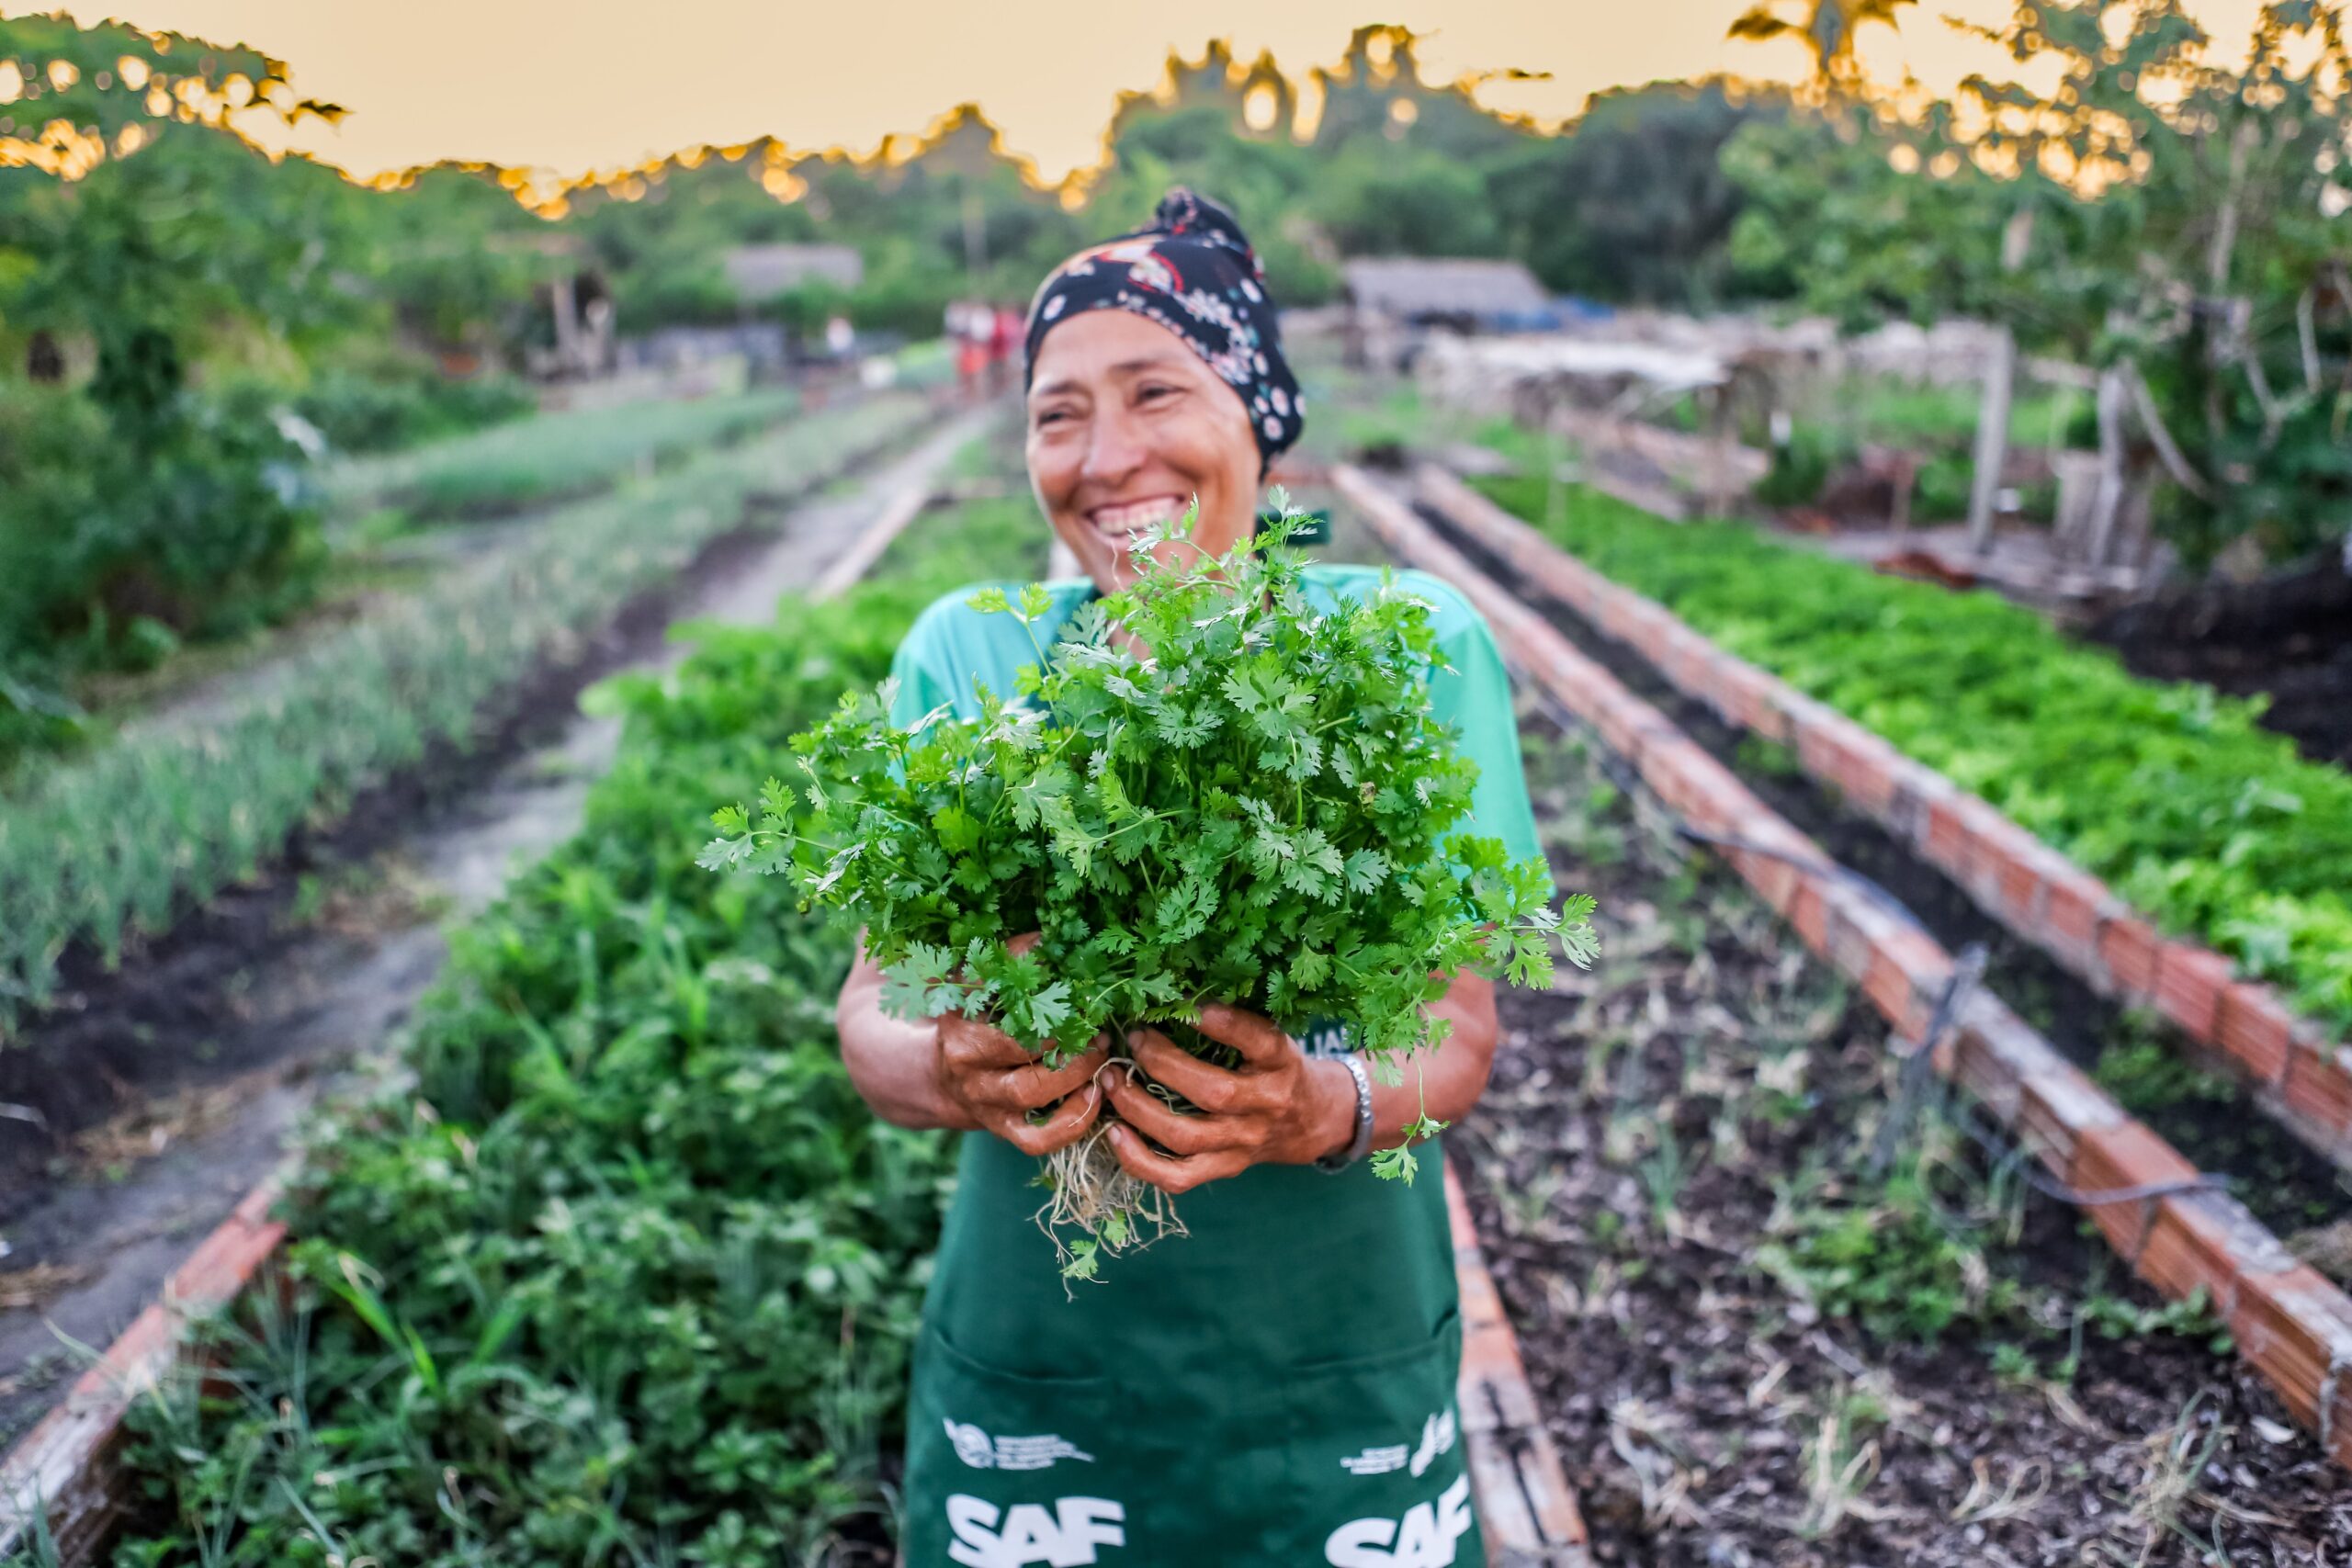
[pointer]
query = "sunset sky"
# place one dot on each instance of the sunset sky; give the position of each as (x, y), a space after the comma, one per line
(571, 86)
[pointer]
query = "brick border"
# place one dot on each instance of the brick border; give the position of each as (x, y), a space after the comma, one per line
(1526, 1508)
(2292, 1323)
(2299, 1075)
(65, 1467)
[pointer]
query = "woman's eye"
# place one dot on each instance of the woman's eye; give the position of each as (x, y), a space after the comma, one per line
(1153, 392)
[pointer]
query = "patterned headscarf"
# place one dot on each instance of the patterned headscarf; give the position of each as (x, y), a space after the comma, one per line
(1192, 271)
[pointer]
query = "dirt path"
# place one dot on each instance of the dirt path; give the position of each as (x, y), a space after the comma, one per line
(118, 1216)
(1671, 1178)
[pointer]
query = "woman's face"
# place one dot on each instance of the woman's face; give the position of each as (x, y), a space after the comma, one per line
(1127, 425)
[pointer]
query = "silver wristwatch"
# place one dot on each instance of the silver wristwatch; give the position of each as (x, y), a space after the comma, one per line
(1360, 1145)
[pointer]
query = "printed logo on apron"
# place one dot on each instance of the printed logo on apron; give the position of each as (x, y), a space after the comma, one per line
(1438, 1435)
(979, 1450)
(1027, 1533)
(1425, 1537)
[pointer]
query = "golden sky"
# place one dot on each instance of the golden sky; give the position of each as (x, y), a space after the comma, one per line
(570, 86)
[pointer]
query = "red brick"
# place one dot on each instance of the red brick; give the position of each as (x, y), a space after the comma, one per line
(1995, 1054)
(2255, 1029)
(1873, 777)
(1775, 876)
(1917, 788)
(2108, 1159)
(1945, 844)
(2318, 1085)
(1851, 925)
(2190, 1246)
(2001, 861)
(1754, 697)
(2022, 877)
(1680, 772)
(2189, 983)
(1724, 804)
(2127, 950)
(1809, 915)
(2297, 1327)
(1681, 655)
(2071, 902)
(2056, 1107)
(1908, 972)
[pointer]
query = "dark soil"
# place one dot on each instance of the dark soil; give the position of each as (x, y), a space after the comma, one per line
(2275, 1174)
(1654, 1123)
(153, 1027)
(2288, 637)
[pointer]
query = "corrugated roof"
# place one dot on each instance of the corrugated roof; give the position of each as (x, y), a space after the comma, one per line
(763, 272)
(1443, 286)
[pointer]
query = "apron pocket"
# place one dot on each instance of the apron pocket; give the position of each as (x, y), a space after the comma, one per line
(1374, 1459)
(1009, 1471)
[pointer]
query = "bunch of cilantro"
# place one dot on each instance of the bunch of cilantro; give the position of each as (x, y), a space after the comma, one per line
(1209, 790)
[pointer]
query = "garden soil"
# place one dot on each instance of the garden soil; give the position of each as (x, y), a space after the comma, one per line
(1652, 1129)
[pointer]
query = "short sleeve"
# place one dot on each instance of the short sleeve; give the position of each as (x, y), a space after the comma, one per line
(1473, 699)
(915, 670)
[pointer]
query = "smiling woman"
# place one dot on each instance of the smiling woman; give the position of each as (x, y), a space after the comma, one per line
(1278, 1387)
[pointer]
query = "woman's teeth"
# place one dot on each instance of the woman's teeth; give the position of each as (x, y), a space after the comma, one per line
(1118, 522)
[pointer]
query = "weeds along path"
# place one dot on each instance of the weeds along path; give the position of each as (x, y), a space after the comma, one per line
(93, 1237)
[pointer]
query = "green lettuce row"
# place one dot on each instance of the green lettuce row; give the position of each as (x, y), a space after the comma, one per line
(97, 848)
(511, 465)
(627, 1273)
(2172, 792)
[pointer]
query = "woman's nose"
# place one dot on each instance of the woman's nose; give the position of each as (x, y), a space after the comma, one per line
(1115, 448)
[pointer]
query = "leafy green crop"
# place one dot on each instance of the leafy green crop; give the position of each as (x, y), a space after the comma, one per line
(2173, 793)
(623, 1272)
(97, 848)
(554, 456)
(1212, 790)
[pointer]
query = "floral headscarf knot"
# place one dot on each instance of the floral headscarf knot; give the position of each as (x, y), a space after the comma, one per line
(1191, 270)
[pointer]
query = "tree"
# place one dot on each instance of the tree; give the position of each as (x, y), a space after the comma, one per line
(1636, 203)
(1828, 30)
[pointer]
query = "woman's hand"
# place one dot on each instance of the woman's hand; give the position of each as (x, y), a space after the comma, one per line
(995, 1083)
(1279, 1107)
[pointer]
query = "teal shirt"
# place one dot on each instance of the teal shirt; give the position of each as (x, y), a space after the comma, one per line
(953, 650)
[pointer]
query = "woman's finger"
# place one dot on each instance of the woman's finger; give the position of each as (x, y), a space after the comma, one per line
(1064, 1127)
(967, 1043)
(1165, 1062)
(1174, 1177)
(1260, 1043)
(1034, 1084)
(1170, 1128)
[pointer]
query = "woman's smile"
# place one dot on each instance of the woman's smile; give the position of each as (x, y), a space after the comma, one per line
(1119, 521)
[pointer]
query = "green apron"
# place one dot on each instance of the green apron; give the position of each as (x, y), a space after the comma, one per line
(1275, 1389)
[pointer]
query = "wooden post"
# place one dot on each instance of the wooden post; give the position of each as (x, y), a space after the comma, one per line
(1555, 508)
(1993, 414)
(1992, 453)
(2109, 496)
